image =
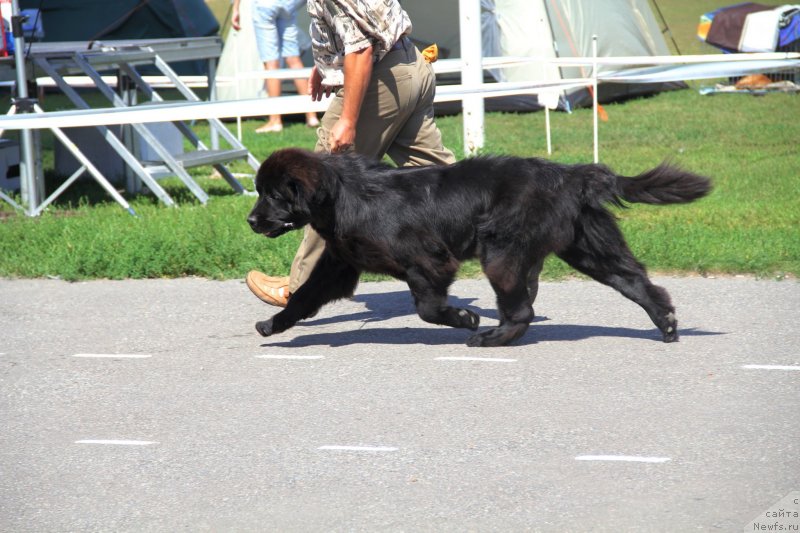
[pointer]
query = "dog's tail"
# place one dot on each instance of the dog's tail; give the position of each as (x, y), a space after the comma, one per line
(665, 184)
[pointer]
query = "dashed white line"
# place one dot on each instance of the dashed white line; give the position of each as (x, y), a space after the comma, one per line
(478, 359)
(770, 367)
(113, 355)
(360, 448)
(116, 442)
(622, 458)
(292, 357)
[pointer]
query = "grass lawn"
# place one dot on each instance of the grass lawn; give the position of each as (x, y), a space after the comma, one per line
(748, 145)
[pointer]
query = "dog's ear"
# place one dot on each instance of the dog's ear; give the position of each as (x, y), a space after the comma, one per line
(298, 191)
(310, 176)
(303, 173)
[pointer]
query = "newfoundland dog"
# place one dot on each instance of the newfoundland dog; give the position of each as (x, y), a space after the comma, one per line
(418, 224)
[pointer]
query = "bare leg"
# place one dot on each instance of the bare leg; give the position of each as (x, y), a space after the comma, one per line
(273, 90)
(302, 87)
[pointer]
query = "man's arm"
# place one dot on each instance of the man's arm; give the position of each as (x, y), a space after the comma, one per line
(357, 73)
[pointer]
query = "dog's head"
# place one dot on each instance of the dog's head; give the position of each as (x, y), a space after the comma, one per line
(288, 184)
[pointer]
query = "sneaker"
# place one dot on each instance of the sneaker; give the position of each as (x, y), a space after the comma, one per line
(269, 289)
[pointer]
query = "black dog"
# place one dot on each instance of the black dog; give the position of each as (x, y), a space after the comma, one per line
(419, 223)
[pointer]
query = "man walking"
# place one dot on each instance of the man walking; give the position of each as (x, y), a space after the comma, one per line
(383, 104)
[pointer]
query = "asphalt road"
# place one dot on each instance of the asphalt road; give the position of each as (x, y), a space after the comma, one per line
(155, 406)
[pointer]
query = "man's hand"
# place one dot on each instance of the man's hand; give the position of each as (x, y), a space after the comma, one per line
(357, 74)
(236, 17)
(342, 136)
(315, 87)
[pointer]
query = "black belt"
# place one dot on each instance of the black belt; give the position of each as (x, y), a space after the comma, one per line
(400, 44)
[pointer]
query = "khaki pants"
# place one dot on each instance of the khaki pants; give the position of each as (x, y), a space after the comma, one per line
(396, 119)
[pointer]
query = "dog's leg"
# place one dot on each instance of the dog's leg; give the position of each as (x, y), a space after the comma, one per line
(606, 257)
(508, 280)
(430, 298)
(533, 282)
(330, 280)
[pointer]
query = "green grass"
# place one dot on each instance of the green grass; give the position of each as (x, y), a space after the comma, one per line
(748, 225)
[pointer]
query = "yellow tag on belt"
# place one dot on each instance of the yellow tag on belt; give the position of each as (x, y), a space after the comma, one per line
(431, 54)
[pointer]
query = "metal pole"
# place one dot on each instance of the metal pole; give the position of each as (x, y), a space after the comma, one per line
(27, 173)
(595, 109)
(211, 76)
(666, 27)
(472, 73)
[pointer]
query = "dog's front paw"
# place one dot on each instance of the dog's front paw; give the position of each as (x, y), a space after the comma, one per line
(671, 335)
(670, 330)
(468, 319)
(264, 327)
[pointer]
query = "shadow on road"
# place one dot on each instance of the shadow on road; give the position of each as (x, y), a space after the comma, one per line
(385, 306)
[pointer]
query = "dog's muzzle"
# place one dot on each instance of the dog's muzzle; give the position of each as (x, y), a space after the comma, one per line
(283, 228)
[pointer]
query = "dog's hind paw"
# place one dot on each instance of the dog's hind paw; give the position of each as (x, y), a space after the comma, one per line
(475, 341)
(264, 327)
(499, 336)
(489, 337)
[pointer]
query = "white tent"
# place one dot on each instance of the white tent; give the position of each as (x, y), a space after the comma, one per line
(511, 28)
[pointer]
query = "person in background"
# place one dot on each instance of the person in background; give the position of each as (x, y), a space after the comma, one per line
(276, 32)
(383, 91)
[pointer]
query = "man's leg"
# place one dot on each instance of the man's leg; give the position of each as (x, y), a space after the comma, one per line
(396, 117)
(419, 141)
(383, 113)
(277, 290)
(268, 26)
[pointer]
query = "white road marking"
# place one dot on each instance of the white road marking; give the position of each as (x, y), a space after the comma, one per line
(623, 458)
(297, 357)
(360, 448)
(113, 355)
(479, 359)
(770, 367)
(113, 442)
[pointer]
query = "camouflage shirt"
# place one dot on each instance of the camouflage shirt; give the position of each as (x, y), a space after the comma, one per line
(340, 27)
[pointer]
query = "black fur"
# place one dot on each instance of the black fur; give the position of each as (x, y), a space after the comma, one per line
(419, 223)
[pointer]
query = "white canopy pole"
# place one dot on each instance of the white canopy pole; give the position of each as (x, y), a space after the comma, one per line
(471, 73)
